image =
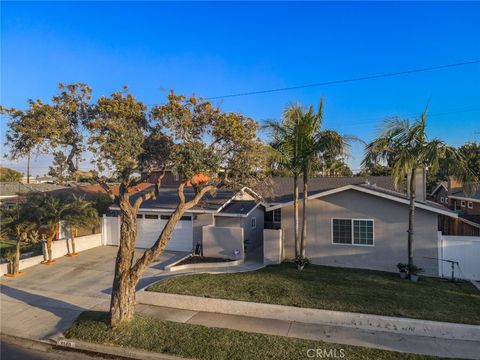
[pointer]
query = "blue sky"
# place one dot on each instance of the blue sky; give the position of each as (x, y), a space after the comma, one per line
(215, 49)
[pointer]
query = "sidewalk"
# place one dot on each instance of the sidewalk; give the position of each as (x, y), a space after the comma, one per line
(333, 334)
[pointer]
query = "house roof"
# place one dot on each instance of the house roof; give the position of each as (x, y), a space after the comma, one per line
(168, 199)
(241, 207)
(441, 184)
(458, 192)
(377, 191)
(280, 189)
(18, 188)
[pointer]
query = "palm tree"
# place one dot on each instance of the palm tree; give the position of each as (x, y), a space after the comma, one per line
(49, 210)
(16, 223)
(406, 147)
(315, 144)
(80, 213)
(284, 155)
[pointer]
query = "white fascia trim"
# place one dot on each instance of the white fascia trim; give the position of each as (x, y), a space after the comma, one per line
(242, 215)
(464, 198)
(142, 210)
(371, 192)
(438, 186)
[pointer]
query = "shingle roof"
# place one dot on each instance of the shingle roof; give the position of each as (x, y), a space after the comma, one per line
(280, 189)
(461, 193)
(168, 199)
(18, 188)
(241, 207)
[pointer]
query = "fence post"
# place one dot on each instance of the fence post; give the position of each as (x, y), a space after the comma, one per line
(104, 230)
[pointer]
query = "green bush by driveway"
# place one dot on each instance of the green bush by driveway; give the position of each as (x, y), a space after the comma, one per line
(200, 342)
(332, 288)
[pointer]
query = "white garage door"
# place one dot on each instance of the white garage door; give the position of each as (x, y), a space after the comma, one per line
(149, 229)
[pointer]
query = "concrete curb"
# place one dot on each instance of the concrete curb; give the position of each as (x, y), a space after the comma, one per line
(223, 265)
(116, 351)
(313, 316)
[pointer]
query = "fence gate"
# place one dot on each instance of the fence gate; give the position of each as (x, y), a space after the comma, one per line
(466, 251)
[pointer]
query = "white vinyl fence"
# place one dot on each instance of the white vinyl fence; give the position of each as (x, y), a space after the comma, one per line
(463, 249)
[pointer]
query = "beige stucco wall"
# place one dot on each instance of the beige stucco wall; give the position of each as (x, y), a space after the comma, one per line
(390, 236)
(222, 242)
(199, 221)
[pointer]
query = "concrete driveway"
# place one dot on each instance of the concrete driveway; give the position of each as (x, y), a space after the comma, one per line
(47, 299)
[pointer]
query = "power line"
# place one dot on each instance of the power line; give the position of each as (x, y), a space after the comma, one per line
(361, 78)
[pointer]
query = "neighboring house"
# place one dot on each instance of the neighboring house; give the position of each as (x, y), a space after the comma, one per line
(228, 224)
(358, 222)
(11, 193)
(39, 179)
(452, 195)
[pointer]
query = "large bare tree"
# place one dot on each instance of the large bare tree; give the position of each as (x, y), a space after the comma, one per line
(186, 134)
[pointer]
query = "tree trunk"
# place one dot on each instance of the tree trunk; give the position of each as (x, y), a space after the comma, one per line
(16, 266)
(122, 305)
(295, 214)
(411, 215)
(72, 236)
(28, 168)
(304, 213)
(49, 247)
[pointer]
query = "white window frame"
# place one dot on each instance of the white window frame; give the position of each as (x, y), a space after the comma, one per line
(441, 199)
(462, 203)
(470, 205)
(254, 222)
(446, 201)
(352, 244)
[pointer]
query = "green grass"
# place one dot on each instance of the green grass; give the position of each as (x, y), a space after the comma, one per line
(10, 244)
(200, 342)
(332, 288)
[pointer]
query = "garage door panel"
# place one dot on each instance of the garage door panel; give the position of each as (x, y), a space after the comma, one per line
(149, 230)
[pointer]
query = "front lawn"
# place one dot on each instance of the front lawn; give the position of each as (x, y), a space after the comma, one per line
(200, 342)
(332, 288)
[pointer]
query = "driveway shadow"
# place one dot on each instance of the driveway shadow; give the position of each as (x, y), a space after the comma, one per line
(66, 312)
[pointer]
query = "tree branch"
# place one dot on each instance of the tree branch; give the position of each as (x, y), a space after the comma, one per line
(151, 194)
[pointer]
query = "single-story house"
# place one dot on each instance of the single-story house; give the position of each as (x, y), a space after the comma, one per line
(12, 193)
(352, 222)
(358, 222)
(228, 224)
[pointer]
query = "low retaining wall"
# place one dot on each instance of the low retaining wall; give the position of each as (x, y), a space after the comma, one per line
(59, 249)
(225, 264)
(313, 316)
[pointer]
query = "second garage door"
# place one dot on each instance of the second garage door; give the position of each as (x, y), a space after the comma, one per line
(150, 226)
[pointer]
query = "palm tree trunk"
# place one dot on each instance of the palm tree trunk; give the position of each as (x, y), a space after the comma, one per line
(304, 213)
(49, 247)
(295, 214)
(411, 216)
(72, 236)
(16, 267)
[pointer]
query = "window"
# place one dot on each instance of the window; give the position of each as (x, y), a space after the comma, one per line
(441, 199)
(470, 205)
(139, 216)
(254, 223)
(273, 219)
(183, 218)
(352, 232)
(462, 203)
(446, 201)
(151, 216)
